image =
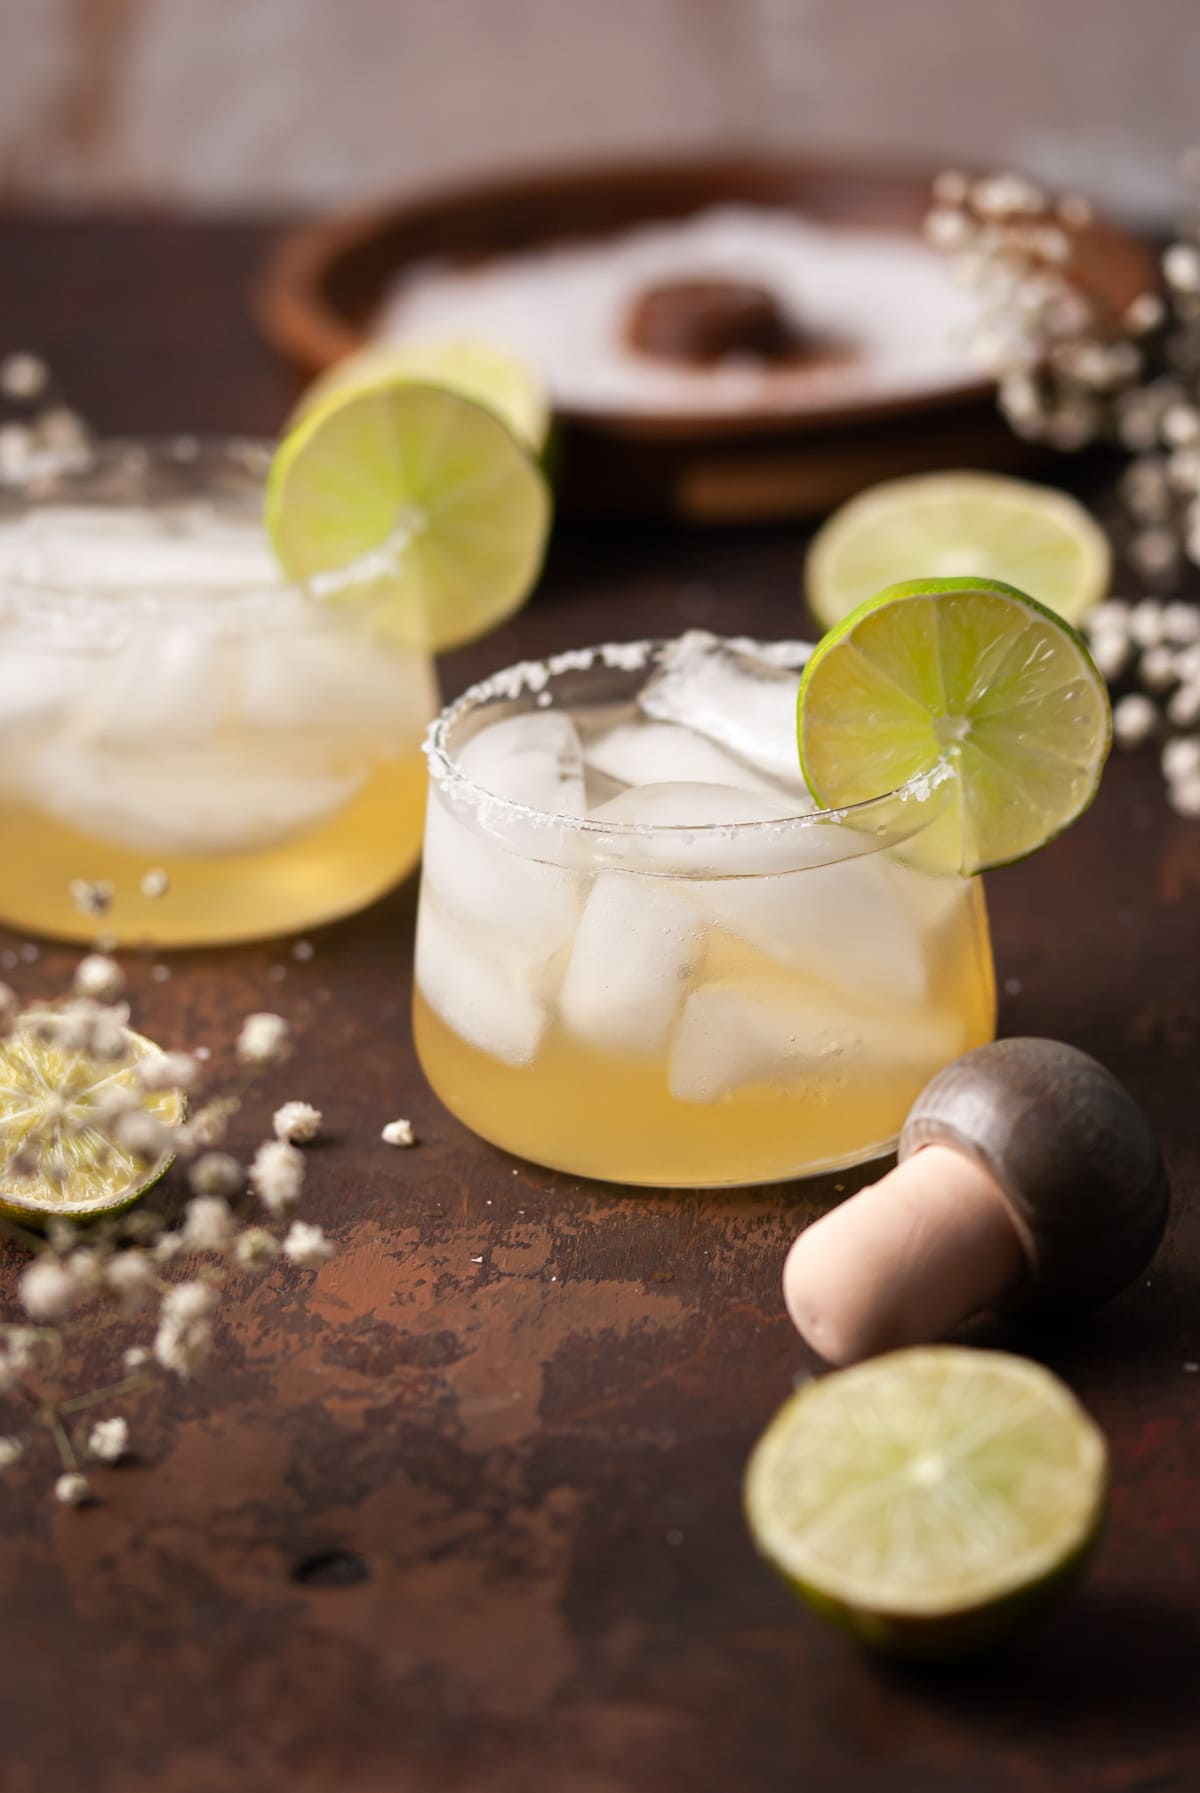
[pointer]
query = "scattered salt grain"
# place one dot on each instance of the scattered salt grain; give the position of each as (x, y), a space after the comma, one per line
(398, 1133)
(155, 883)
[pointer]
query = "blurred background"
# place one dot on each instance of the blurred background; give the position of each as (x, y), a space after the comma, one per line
(259, 104)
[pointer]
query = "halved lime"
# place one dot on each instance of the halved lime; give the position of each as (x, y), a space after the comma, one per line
(959, 525)
(931, 1499)
(413, 504)
(970, 674)
(57, 1096)
(490, 376)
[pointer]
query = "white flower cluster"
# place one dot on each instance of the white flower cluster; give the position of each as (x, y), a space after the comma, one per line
(1155, 646)
(1070, 368)
(128, 1266)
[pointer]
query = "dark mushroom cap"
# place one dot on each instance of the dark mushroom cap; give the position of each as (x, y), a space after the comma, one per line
(1070, 1149)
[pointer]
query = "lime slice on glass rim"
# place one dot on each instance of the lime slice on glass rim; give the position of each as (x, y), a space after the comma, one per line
(931, 1500)
(966, 675)
(414, 505)
(959, 525)
(55, 1095)
(490, 376)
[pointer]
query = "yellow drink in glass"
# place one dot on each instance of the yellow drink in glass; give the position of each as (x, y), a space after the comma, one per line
(643, 955)
(209, 748)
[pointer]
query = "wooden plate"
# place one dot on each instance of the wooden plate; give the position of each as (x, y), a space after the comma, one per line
(318, 295)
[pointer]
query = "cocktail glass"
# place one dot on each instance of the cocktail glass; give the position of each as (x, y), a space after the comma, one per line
(191, 749)
(643, 956)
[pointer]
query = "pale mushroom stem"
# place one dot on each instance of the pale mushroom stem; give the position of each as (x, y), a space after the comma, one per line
(905, 1260)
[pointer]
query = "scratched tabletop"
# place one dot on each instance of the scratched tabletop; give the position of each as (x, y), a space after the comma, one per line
(461, 1513)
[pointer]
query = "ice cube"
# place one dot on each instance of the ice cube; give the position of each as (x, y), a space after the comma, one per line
(489, 996)
(210, 799)
(166, 684)
(743, 1033)
(534, 759)
(496, 894)
(336, 683)
(733, 697)
(739, 1033)
(636, 947)
(38, 681)
(848, 924)
(664, 753)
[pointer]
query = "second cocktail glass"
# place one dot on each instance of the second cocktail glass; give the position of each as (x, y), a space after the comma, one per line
(192, 749)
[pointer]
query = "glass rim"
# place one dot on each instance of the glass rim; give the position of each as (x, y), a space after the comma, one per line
(76, 475)
(867, 819)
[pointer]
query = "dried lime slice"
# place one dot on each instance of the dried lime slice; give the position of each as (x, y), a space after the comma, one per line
(968, 675)
(57, 1097)
(413, 504)
(957, 525)
(930, 1500)
(490, 376)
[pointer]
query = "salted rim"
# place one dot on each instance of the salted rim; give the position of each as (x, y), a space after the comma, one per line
(532, 677)
(60, 477)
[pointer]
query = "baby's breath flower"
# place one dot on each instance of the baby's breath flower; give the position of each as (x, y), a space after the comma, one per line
(48, 1290)
(264, 1040)
(207, 1126)
(130, 1279)
(188, 1301)
(277, 1175)
(398, 1133)
(208, 1225)
(1134, 720)
(184, 1337)
(86, 1268)
(61, 430)
(256, 1248)
(11, 1451)
(89, 1027)
(136, 1358)
(297, 1122)
(108, 1440)
(25, 1345)
(23, 376)
(99, 977)
(307, 1245)
(167, 1071)
(216, 1174)
(1145, 313)
(166, 1247)
(1181, 266)
(91, 896)
(72, 1489)
(10, 1008)
(141, 1135)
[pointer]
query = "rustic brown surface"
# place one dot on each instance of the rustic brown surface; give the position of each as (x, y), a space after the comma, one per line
(533, 1461)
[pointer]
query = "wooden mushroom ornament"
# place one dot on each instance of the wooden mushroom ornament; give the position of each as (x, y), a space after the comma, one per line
(1027, 1175)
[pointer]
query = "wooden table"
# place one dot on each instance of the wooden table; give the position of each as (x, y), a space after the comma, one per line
(462, 1515)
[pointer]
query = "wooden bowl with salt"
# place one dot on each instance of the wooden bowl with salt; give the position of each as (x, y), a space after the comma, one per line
(727, 340)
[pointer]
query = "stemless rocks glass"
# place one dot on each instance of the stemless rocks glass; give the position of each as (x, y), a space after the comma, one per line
(644, 956)
(190, 747)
